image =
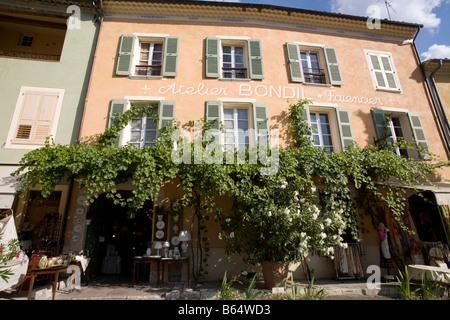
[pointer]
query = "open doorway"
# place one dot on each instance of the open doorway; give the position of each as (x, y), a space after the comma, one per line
(114, 239)
(427, 218)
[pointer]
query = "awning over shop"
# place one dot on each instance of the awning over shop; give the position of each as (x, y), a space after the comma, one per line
(441, 190)
(8, 186)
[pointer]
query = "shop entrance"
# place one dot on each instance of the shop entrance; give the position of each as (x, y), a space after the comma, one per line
(427, 218)
(114, 239)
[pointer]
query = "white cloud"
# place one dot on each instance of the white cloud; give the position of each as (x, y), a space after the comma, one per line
(414, 11)
(437, 51)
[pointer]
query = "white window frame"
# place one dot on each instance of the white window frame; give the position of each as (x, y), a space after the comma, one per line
(394, 135)
(387, 55)
(126, 132)
(225, 41)
(235, 106)
(10, 141)
(146, 38)
(333, 123)
(319, 50)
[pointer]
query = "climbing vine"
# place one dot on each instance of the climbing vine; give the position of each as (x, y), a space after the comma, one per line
(303, 206)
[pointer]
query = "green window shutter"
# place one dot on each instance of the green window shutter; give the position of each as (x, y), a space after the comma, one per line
(384, 134)
(125, 55)
(333, 66)
(261, 122)
(213, 115)
(295, 65)
(212, 58)
(170, 66)
(418, 132)
(255, 59)
(117, 107)
(345, 127)
(166, 113)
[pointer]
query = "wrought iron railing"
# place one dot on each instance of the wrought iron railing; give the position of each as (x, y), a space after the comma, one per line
(234, 73)
(148, 70)
(313, 75)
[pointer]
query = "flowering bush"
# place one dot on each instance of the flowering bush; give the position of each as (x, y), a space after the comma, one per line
(8, 252)
(280, 218)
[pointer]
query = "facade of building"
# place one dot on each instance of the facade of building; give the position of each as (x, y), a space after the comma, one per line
(45, 58)
(242, 64)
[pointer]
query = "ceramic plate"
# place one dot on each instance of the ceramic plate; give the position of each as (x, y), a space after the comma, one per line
(160, 224)
(159, 234)
(175, 240)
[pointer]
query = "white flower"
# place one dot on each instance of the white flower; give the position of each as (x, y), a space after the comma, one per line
(322, 227)
(313, 189)
(303, 234)
(296, 193)
(314, 216)
(302, 200)
(227, 220)
(284, 185)
(220, 236)
(287, 211)
(330, 250)
(244, 273)
(327, 221)
(270, 213)
(290, 219)
(344, 245)
(323, 235)
(232, 235)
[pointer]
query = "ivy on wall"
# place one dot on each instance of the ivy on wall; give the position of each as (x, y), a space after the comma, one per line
(276, 217)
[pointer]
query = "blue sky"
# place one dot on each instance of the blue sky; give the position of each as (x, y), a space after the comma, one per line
(433, 40)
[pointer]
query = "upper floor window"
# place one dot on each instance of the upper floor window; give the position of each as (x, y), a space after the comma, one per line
(142, 131)
(394, 126)
(35, 117)
(150, 59)
(233, 62)
(236, 121)
(310, 63)
(245, 123)
(147, 55)
(382, 71)
(228, 58)
(321, 130)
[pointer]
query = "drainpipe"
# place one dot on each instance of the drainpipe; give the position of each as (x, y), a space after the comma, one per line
(99, 20)
(437, 104)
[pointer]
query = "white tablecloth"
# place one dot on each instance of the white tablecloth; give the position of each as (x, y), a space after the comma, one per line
(433, 273)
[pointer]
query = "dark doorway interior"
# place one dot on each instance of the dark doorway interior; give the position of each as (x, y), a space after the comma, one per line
(427, 218)
(112, 233)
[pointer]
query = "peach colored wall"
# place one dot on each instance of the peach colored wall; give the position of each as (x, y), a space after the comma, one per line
(106, 86)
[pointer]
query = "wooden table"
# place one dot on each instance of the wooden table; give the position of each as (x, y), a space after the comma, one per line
(161, 262)
(168, 261)
(146, 260)
(53, 271)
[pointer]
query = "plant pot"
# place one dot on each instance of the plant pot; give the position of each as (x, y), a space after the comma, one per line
(274, 273)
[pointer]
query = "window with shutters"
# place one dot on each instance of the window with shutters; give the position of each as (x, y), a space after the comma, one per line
(244, 124)
(236, 123)
(233, 58)
(145, 55)
(382, 71)
(330, 128)
(142, 131)
(392, 127)
(313, 64)
(35, 117)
